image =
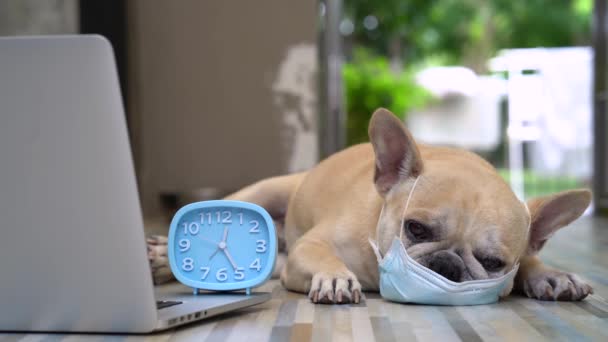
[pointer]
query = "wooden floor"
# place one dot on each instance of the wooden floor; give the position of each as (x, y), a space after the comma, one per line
(582, 247)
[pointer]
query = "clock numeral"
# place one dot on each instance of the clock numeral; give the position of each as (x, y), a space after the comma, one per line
(205, 272)
(255, 265)
(202, 215)
(193, 228)
(260, 246)
(256, 226)
(187, 264)
(227, 217)
(240, 218)
(184, 245)
(221, 274)
(220, 216)
(239, 273)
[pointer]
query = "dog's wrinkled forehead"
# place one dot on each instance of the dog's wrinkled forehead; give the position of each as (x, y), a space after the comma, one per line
(485, 214)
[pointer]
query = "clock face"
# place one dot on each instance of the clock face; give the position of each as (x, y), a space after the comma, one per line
(222, 245)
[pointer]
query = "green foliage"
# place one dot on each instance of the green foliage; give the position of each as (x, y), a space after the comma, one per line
(542, 23)
(463, 28)
(369, 84)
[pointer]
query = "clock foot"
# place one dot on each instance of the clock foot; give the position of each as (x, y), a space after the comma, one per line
(248, 291)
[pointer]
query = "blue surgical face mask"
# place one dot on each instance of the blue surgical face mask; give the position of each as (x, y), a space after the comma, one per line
(402, 279)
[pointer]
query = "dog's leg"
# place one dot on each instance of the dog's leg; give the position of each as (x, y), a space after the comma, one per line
(547, 215)
(313, 268)
(539, 281)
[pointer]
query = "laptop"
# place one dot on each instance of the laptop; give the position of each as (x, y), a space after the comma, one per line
(72, 248)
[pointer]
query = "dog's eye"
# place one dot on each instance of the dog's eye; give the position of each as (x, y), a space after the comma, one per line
(417, 232)
(491, 264)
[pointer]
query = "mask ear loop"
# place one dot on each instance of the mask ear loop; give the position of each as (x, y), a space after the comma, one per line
(372, 243)
(529, 218)
(407, 204)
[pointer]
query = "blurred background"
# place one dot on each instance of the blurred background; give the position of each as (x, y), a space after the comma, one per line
(219, 94)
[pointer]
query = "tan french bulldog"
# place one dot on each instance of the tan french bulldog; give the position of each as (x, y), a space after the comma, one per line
(464, 222)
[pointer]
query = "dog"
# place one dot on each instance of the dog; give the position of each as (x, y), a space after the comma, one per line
(464, 222)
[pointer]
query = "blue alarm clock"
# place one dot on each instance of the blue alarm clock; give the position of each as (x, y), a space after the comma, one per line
(222, 245)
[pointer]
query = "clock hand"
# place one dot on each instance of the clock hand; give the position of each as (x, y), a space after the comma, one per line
(222, 246)
(210, 241)
(214, 253)
(213, 242)
(230, 258)
(225, 234)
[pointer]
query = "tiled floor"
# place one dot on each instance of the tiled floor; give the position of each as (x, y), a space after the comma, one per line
(582, 247)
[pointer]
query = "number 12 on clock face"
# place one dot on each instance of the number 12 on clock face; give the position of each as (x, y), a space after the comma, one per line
(222, 245)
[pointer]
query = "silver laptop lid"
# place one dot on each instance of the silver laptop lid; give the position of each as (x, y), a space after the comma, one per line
(72, 252)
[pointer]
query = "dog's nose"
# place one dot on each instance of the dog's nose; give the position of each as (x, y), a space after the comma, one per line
(448, 264)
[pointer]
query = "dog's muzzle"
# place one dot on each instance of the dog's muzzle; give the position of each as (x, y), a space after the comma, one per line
(448, 264)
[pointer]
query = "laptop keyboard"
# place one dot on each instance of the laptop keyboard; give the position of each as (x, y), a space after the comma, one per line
(161, 304)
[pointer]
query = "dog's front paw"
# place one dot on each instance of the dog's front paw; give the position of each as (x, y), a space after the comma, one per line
(549, 284)
(157, 255)
(327, 288)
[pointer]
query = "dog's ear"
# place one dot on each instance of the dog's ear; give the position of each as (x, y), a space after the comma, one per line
(397, 156)
(553, 212)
